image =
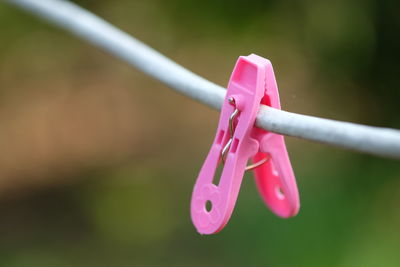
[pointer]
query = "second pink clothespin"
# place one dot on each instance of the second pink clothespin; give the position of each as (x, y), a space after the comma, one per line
(237, 140)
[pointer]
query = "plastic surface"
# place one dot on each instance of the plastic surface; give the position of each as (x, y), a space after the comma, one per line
(252, 83)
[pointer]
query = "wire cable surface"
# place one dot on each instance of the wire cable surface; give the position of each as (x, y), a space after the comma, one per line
(372, 140)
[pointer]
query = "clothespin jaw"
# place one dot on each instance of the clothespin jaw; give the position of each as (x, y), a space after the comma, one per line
(236, 141)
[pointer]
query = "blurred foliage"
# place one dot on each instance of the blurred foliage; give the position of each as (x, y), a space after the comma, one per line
(99, 160)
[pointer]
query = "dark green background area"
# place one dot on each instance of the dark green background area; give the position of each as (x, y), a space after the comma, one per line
(334, 59)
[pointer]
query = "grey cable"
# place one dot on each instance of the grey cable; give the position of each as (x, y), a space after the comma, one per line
(373, 140)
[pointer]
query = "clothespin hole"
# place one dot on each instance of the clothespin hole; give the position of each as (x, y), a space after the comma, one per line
(279, 192)
(234, 145)
(208, 205)
(218, 174)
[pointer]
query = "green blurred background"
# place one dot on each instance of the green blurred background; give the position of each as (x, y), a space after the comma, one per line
(98, 160)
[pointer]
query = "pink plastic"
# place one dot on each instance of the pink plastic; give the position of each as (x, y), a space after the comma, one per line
(252, 83)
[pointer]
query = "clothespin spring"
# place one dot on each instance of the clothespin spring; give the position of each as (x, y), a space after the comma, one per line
(225, 150)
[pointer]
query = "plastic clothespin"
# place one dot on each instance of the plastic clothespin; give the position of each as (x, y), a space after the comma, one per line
(237, 140)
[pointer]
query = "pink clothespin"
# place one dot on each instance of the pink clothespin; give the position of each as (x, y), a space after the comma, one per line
(237, 140)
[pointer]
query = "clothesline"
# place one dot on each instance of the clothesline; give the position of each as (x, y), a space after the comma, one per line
(383, 142)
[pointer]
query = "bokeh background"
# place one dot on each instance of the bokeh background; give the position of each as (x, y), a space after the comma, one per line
(98, 161)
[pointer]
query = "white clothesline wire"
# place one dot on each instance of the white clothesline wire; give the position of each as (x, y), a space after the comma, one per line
(373, 140)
